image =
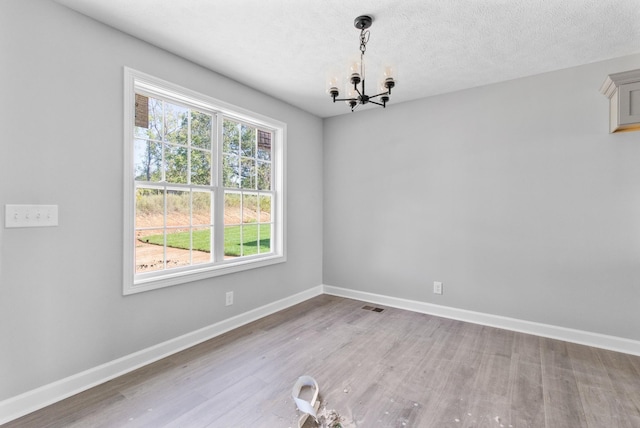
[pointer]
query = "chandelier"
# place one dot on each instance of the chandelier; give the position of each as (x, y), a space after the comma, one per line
(356, 94)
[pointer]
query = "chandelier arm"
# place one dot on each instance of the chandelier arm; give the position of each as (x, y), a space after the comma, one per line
(377, 103)
(380, 94)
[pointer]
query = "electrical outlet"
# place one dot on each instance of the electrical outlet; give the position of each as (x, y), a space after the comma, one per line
(229, 300)
(437, 287)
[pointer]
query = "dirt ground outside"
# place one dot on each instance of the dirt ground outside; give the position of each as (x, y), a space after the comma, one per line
(149, 257)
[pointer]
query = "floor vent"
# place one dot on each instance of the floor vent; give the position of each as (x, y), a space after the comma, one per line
(371, 308)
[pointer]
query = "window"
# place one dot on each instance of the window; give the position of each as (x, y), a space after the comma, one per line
(204, 188)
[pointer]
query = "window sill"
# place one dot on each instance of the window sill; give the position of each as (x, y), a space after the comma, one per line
(181, 277)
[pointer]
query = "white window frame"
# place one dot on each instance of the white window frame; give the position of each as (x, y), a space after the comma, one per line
(135, 283)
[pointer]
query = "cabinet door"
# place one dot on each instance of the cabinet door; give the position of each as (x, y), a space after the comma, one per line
(629, 103)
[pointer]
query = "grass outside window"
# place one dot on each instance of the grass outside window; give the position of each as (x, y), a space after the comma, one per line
(238, 240)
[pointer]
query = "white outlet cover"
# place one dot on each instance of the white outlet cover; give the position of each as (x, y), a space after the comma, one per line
(437, 287)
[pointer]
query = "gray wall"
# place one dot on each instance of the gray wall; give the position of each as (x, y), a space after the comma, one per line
(513, 195)
(61, 102)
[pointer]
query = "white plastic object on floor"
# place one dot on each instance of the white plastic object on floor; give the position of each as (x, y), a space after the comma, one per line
(308, 407)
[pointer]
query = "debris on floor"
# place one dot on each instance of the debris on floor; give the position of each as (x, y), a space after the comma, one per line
(330, 418)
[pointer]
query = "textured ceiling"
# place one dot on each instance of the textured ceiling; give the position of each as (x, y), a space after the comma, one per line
(286, 48)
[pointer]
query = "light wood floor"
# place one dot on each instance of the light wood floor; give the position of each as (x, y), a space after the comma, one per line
(379, 369)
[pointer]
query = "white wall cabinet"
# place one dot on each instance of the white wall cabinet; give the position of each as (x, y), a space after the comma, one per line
(623, 91)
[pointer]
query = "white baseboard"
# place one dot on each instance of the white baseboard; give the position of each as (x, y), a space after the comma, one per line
(33, 400)
(597, 340)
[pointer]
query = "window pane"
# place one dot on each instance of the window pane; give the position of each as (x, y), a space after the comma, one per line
(154, 131)
(201, 208)
(178, 208)
(176, 122)
(149, 250)
(265, 208)
(248, 171)
(200, 167)
(249, 208)
(264, 243)
(175, 164)
(231, 137)
(264, 145)
(232, 241)
(200, 130)
(178, 247)
(230, 171)
(149, 208)
(248, 147)
(201, 245)
(249, 239)
(147, 161)
(264, 175)
(232, 208)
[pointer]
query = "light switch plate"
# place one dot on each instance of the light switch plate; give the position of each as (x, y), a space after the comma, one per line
(30, 216)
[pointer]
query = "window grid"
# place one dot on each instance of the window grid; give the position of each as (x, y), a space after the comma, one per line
(173, 186)
(177, 235)
(244, 182)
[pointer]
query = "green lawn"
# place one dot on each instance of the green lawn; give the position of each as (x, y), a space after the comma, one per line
(233, 243)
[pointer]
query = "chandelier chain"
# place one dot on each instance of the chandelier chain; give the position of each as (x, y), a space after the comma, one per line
(364, 38)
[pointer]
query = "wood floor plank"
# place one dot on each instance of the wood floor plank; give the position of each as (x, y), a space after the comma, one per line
(602, 408)
(392, 368)
(525, 393)
(624, 377)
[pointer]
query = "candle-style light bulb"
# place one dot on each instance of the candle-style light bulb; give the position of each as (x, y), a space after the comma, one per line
(389, 76)
(354, 72)
(332, 87)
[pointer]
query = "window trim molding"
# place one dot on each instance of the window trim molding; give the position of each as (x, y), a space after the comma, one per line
(133, 80)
